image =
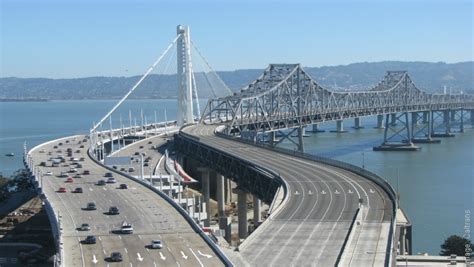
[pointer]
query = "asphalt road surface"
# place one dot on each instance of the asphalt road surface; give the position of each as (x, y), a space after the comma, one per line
(151, 216)
(311, 227)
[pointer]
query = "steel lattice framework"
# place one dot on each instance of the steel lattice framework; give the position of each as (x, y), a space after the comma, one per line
(285, 96)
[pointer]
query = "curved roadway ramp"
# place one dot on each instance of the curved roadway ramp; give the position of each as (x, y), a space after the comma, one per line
(152, 217)
(311, 227)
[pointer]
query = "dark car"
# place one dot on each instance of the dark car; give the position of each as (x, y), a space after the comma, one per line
(91, 206)
(90, 239)
(114, 211)
(116, 257)
(101, 182)
(86, 172)
(108, 174)
(123, 186)
(78, 190)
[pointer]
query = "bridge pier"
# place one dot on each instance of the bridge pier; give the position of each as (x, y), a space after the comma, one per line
(421, 131)
(224, 223)
(400, 138)
(206, 193)
(442, 129)
(300, 139)
(257, 211)
(472, 116)
(379, 122)
(242, 212)
(315, 129)
(357, 123)
(339, 127)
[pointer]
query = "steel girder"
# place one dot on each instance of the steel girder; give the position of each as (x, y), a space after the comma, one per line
(250, 177)
(285, 96)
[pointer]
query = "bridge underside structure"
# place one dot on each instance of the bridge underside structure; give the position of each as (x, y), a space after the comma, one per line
(285, 97)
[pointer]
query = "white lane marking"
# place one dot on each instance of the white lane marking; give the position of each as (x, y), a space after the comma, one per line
(94, 259)
(350, 191)
(139, 236)
(126, 251)
(323, 192)
(200, 262)
(162, 256)
(184, 255)
(372, 191)
(154, 264)
(296, 192)
(147, 249)
(90, 189)
(131, 265)
(309, 193)
(82, 253)
(177, 263)
(105, 189)
(168, 249)
(139, 257)
(100, 239)
(336, 192)
(105, 253)
(120, 237)
(205, 255)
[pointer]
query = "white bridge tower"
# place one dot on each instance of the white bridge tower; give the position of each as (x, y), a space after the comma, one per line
(184, 75)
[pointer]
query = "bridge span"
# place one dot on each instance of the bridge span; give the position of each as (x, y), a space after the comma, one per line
(320, 205)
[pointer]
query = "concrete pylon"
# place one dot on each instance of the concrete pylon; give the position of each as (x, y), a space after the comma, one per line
(257, 211)
(185, 94)
(206, 193)
(379, 122)
(357, 123)
(242, 212)
(339, 127)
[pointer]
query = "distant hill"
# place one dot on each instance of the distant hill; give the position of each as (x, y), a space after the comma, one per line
(358, 76)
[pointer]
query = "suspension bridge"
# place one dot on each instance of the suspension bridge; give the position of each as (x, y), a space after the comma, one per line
(321, 211)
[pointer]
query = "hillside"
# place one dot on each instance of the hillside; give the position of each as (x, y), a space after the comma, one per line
(431, 77)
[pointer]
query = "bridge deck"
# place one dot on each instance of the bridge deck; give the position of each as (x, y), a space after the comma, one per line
(312, 226)
(151, 216)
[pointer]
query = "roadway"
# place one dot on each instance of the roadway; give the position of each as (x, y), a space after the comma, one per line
(311, 227)
(151, 216)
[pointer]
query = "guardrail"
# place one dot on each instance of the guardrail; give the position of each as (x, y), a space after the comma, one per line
(175, 205)
(346, 166)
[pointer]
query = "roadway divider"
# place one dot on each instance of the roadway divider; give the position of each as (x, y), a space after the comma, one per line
(348, 240)
(346, 166)
(178, 207)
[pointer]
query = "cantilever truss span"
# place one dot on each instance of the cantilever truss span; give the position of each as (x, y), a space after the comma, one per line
(285, 96)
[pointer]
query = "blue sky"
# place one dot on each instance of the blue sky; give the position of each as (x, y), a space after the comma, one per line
(68, 39)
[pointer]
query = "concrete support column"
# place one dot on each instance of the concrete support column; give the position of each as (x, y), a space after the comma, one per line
(272, 138)
(339, 127)
(227, 191)
(453, 115)
(206, 194)
(393, 117)
(242, 213)
(472, 117)
(380, 122)
(257, 211)
(220, 195)
(357, 123)
(446, 121)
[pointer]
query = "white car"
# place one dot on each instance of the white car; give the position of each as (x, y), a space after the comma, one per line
(126, 228)
(111, 180)
(48, 174)
(156, 244)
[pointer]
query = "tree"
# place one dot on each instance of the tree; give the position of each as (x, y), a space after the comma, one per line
(455, 245)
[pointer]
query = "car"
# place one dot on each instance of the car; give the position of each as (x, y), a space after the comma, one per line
(60, 144)
(55, 147)
(86, 172)
(63, 174)
(123, 169)
(111, 180)
(141, 147)
(150, 142)
(81, 159)
(69, 149)
(146, 164)
(156, 244)
(131, 169)
(62, 160)
(78, 151)
(67, 141)
(69, 180)
(126, 228)
(84, 227)
(91, 206)
(50, 153)
(55, 164)
(115, 167)
(48, 174)
(123, 186)
(114, 211)
(62, 190)
(108, 174)
(137, 153)
(78, 175)
(100, 182)
(74, 159)
(43, 163)
(78, 190)
(41, 151)
(78, 165)
(90, 239)
(72, 170)
(115, 257)
(81, 146)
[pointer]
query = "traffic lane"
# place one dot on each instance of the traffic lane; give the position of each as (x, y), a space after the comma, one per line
(100, 193)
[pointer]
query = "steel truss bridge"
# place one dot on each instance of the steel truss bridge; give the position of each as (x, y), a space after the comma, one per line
(285, 96)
